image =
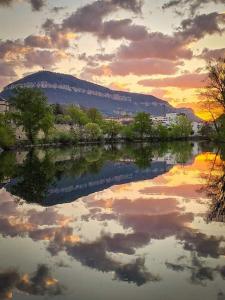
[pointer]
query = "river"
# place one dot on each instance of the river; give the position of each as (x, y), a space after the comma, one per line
(113, 222)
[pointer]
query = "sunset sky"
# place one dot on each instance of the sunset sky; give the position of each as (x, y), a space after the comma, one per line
(153, 47)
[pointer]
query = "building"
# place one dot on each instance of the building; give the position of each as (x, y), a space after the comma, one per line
(4, 106)
(122, 120)
(170, 119)
(196, 127)
(167, 120)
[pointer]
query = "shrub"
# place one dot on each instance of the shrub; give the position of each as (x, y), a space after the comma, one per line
(7, 138)
(64, 137)
(93, 131)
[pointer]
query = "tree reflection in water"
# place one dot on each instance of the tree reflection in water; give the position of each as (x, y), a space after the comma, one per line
(34, 177)
(215, 188)
(31, 178)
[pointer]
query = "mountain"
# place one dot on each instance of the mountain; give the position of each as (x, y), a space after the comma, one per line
(66, 89)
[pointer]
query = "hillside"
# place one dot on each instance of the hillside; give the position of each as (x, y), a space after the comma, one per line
(66, 89)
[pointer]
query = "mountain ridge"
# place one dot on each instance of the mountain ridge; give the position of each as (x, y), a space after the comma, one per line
(67, 89)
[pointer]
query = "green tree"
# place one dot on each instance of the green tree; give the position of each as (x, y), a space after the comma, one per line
(7, 137)
(34, 178)
(161, 131)
(47, 123)
(206, 130)
(8, 165)
(128, 132)
(221, 128)
(78, 116)
(93, 131)
(57, 109)
(111, 128)
(30, 111)
(182, 128)
(94, 115)
(142, 124)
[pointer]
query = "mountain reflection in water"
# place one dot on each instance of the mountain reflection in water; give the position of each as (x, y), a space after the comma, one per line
(158, 233)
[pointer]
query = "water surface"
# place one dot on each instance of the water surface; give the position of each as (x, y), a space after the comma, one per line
(125, 222)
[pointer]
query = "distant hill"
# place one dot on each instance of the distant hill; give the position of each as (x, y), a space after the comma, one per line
(67, 89)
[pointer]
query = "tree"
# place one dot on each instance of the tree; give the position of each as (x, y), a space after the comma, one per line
(182, 128)
(77, 115)
(206, 130)
(128, 132)
(216, 87)
(47, 123)
(142, 124)
(57, 109)
(94, 115)
(31, 111)
(214, 96)
(161, 131)
(34, 178)
(7, 137)
(111, 128)
(93, 131)
(221, 127)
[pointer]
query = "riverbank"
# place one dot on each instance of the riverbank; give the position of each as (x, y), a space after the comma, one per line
(42, 144)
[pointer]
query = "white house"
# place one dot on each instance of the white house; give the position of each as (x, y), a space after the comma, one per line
(167, 120)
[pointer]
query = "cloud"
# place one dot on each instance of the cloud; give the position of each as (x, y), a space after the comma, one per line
(57, 9)
(36, 5)
(6, 69)
(89, 19)
(59, 37)
(10, 49)
(95, 256)
(38, 41)
(156, 45)
(132, 5)
(194, 29)
(39, 283)
(7, 72)
(204, 245)
(122, 29)
(135, 66)
(42, 58)
(185, 81)
(93, 60)
(173, 47)
(136, 272)
(192, 6)
(208, 54)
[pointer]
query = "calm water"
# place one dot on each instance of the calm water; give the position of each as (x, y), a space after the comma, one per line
(113, 222)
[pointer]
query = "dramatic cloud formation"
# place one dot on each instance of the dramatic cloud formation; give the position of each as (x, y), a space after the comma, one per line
(135, 66)
(89, 19)
(159, 45)
(156, 45)
(196, 28)
(186, 81)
